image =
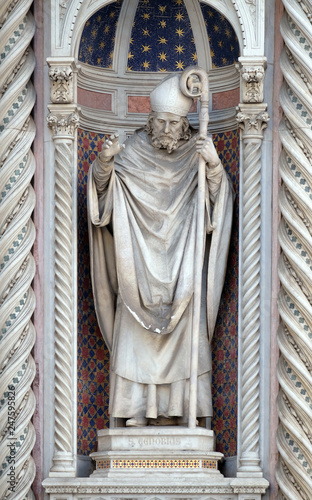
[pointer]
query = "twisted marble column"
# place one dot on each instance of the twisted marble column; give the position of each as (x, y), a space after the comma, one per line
(63, 127)
(252, 120)
(294, 439)
(17, 234)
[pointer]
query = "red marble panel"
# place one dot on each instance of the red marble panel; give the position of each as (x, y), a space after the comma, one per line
(95, 100)
(139, 104)
(224, 100)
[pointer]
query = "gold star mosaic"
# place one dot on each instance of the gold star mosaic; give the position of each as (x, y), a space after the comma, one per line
(162, 38)
(98, 37)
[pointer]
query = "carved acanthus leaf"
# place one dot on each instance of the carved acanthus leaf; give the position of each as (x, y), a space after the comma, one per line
(252, 83)
(252, 74)
(63, 125)
(62, 88)
(61, 74)
(252, 122)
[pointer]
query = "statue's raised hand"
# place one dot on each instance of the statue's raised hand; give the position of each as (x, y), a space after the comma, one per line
(110, 148)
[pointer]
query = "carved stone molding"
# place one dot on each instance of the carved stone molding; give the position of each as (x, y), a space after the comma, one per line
(63, 123)
(17, 234)
(252, 77)
(252, 10)
(200, 489)
(294, 437)
(252, 84)
(61, 84)
(63, 7)
(62, 75)
(252, 120)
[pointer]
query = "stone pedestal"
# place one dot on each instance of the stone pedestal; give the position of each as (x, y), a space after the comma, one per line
(156, 451)
(148, 487)
(156, 463)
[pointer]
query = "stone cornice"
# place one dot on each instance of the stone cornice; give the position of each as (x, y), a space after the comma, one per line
(223, 486)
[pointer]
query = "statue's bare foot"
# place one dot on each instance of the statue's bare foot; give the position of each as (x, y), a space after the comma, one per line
(136, 422)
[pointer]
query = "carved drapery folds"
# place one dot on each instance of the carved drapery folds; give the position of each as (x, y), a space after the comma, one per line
(63, 120)
(252, 119)
(17, 234)
(295, 269)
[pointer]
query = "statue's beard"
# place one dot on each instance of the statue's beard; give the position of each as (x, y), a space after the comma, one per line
(165, 141)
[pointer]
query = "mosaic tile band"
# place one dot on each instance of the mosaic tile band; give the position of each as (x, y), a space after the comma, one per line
(103, 464)
(157, 464)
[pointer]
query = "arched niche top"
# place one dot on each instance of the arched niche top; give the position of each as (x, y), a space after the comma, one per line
(119, 96)
(156, 36)
(246, 17)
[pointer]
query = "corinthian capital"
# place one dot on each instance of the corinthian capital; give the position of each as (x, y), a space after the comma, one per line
(63, 125)
(252, 120)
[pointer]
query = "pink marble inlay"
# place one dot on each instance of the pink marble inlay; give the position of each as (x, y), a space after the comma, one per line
(141, 104)
(95, 100)
(224, 100)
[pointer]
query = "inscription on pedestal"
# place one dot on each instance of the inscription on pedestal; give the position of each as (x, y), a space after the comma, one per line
(161, 441)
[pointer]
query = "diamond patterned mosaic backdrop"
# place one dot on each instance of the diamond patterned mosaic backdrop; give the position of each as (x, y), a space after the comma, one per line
(93, 357)
(225, 341)
(161, 38)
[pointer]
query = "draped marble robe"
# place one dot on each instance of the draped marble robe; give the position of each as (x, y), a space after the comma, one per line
(142, 224)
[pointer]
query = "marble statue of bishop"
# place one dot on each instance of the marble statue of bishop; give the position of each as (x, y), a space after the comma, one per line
(142, 203)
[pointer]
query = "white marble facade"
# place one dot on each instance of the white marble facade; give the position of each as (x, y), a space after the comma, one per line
(46, 273)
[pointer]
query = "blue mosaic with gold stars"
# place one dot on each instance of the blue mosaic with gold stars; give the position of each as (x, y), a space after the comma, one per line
(98, 37)
(224, 47)
(161, 37)
(93, 356)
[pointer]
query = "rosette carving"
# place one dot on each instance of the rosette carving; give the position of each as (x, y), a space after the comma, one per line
(17, 234)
